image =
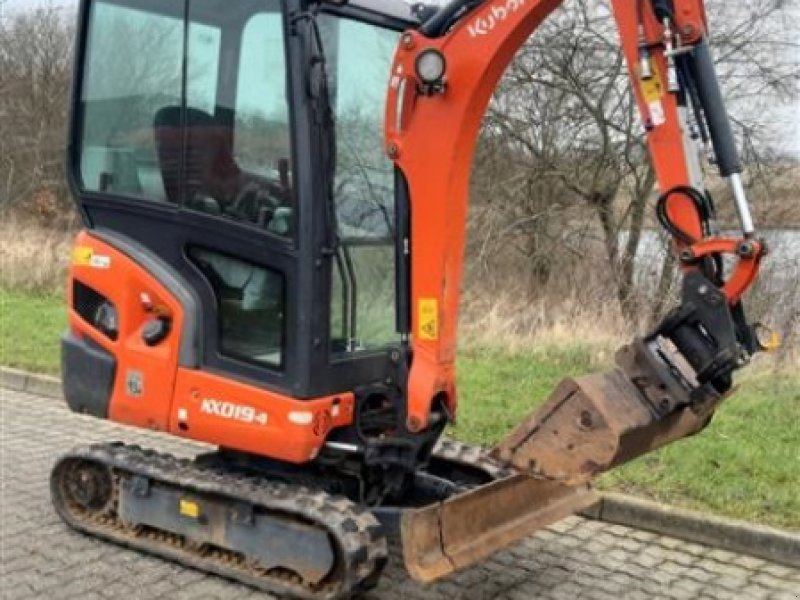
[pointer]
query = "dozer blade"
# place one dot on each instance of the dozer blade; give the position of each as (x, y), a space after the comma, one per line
(594, 423)
(466, 528)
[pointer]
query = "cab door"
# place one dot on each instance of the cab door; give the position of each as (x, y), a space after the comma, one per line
(183, 158)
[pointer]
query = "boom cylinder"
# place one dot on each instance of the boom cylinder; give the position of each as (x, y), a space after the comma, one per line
(720, 130)
(719, 125)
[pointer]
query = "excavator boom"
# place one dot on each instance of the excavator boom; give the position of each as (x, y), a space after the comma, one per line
(666, 385)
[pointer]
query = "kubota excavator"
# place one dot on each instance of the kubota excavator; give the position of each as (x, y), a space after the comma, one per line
(274, 195)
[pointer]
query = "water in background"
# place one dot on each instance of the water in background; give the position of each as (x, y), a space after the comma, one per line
(781, 272)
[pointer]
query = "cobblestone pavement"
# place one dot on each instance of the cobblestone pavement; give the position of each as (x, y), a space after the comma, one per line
(577, 558)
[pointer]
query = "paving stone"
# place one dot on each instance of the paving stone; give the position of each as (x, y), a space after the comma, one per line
(721, 555)
(694, 549)
(671, 543)
(751, 563)
(577, 558)
(640, 535)
(751, 591)
(778, 570)
(783, 596)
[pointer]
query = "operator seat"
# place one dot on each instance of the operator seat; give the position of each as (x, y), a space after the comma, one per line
(212, 178)
(212, 182)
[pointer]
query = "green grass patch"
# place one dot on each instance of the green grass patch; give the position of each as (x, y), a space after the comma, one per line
(746, 464)
(30, 330)
(497, 389)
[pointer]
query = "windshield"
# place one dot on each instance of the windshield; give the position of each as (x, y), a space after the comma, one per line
(363, 292)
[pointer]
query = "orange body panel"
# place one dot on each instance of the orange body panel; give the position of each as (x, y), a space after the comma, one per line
(190, 403)
(122, 281)
(263, 422)
(432, 138)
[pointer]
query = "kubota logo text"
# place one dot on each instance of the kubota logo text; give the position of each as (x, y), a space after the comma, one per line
(235, 412)
(499, 12)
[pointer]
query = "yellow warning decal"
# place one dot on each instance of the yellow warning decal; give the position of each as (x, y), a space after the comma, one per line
(653, 88)
(82, 256)
(428, 319)
(189, 508)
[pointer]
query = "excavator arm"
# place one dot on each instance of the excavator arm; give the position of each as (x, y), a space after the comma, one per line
(432, 128)
(668, 383)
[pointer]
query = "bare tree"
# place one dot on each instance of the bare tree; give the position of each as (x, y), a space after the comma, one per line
(35, 67)
(565, 114)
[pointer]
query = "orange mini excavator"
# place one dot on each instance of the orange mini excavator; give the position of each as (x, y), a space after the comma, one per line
(274, 195)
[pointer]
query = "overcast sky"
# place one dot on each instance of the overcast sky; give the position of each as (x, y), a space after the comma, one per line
(790, 115)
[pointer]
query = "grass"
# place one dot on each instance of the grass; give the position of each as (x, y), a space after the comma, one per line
(745, 465)
(30, 330)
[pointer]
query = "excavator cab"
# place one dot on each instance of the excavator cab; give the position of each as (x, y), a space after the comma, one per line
(274, 195)
(221, 142)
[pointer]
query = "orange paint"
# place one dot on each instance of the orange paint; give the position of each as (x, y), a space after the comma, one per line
(277, 435)
(122, 283)
(432, 139)
(171, 398)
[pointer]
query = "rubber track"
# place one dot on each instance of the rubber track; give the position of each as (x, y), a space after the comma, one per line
(360, 543)
(470, 456)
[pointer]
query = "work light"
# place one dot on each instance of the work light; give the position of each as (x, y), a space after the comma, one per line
(430, 66)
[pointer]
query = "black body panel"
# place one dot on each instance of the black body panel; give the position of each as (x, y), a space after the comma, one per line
(88, 373)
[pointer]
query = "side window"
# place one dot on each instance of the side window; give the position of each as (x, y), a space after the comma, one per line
(262, 111)
(133, 70)
(202, 68)
(363, 285)
(250, 302)
(238, 155)
(185, 159)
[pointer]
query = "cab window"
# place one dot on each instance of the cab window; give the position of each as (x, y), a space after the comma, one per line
(168, 116)
(133, 68)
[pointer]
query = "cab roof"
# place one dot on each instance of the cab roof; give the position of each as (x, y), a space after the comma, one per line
(407, 11)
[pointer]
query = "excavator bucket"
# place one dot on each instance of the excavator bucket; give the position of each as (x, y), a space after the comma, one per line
(468, 527)
(588, 426)
(594, 423)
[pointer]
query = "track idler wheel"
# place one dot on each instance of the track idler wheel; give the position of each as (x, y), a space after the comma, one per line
(86, 488)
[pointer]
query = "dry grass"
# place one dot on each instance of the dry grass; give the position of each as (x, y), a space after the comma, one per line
(32, 258)
(35, 259)
(510, 321)
(515, 325)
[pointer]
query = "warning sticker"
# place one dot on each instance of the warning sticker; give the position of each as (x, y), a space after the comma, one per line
(189, 508)
(429, 319)
(82, 256)
(653, 89)
(657, 114)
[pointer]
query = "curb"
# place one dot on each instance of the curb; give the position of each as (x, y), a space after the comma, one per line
(22, 381)
(775, 545)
